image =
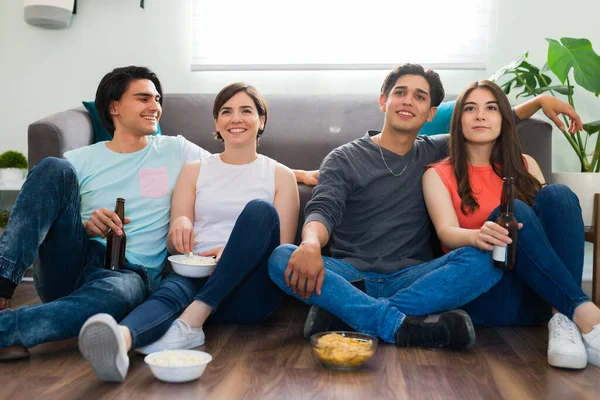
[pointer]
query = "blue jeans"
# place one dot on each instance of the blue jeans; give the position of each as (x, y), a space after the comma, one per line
(70, 277)
(550, 252)
(239, 290)
(441, 284)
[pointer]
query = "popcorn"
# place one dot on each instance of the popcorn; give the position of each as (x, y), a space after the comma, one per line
(200, 261)
(175, 359)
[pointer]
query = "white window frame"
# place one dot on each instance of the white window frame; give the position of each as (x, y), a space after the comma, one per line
(227, 31)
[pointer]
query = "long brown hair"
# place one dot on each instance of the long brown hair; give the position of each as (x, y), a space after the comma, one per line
(506, 157)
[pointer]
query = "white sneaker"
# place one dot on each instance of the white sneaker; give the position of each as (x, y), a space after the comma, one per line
(592, 345)
(179, 337)
(565, 348)
(103, 346)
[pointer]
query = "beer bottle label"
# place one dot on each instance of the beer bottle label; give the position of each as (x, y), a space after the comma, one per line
(499, 253)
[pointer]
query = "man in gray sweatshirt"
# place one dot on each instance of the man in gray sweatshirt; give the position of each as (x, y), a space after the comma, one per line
(369, 202)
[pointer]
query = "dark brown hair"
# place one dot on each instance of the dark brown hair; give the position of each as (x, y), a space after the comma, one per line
(231, 90)
(506, 158)
(433, 79)
(114, 85)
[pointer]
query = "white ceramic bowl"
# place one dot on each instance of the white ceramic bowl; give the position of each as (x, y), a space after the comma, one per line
(185, 266)
(178, 365)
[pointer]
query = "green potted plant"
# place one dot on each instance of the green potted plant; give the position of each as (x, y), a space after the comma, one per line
(568, 59)
(13, 166)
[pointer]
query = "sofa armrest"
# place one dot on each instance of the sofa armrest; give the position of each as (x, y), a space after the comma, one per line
(535, 136)
(54, 135)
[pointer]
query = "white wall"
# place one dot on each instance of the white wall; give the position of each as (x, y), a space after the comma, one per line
(45, 71)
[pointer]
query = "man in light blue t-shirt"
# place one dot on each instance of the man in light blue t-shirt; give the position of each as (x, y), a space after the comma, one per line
(62, 215)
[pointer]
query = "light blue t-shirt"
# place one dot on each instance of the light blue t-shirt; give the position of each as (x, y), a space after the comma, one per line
(145, 179)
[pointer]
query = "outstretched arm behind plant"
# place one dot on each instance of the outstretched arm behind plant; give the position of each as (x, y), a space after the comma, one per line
(552, 108)
(564, 56)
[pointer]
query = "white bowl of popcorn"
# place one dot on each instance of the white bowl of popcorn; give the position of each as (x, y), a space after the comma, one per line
(178, 365)
(193, 266)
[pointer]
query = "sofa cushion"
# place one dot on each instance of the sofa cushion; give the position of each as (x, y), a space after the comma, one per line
(100, 132)
(441, 121)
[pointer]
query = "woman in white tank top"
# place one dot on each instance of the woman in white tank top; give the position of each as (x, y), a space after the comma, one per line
(237, 206)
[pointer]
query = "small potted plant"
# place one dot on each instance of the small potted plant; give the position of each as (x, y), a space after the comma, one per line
(13, 166)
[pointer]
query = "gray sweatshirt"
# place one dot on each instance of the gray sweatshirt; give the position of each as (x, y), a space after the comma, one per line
(378, 222)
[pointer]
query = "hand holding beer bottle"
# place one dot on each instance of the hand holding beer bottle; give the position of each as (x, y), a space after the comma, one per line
(506, 257)
(115, 244)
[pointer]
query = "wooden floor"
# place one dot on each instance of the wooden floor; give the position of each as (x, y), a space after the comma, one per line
(273, 361)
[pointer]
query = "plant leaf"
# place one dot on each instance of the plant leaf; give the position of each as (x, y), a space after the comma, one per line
(508, 68)
(560, 89)
(508, 85)
(529, 67)
(524, 93)
(579, 55)
(547, 78)
(592, 127)
(530, 80)
(545, 68)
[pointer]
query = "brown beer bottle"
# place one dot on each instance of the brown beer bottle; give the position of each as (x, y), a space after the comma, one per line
(506, 257)
(115, 244)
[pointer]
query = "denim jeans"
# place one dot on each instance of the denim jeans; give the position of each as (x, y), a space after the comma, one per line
(239, 290)
(70, 277)
(441, 284)
(549, 267)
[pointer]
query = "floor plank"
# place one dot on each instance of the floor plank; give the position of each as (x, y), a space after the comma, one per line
(273, 361)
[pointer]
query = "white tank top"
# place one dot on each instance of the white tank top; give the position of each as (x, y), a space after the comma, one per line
(222, 192)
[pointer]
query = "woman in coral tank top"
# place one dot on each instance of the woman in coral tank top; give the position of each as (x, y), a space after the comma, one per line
(462, 194)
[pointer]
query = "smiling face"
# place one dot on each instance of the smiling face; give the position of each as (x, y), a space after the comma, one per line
(408, 105)
(238, 121)
(139, 110)
(481, 120)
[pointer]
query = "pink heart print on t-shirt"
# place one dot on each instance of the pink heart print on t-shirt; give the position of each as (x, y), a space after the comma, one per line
(154, 182)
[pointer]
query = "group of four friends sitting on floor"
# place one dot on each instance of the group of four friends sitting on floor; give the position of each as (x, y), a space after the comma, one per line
(375, 199)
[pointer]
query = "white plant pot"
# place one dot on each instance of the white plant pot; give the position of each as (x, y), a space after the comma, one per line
(12, 174)
(584, 185)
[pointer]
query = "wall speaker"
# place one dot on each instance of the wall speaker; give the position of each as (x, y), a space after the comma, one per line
(50, 14)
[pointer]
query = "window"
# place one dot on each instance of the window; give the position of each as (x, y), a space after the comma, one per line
(336, 34)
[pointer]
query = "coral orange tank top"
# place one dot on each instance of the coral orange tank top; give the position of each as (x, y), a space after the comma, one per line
(486, 187)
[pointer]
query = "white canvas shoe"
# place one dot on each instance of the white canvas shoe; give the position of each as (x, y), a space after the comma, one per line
(103, 346)
(565, 347)
(180, 336)
(592, 345)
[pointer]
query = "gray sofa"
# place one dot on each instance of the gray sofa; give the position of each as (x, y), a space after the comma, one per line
(301, 129)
